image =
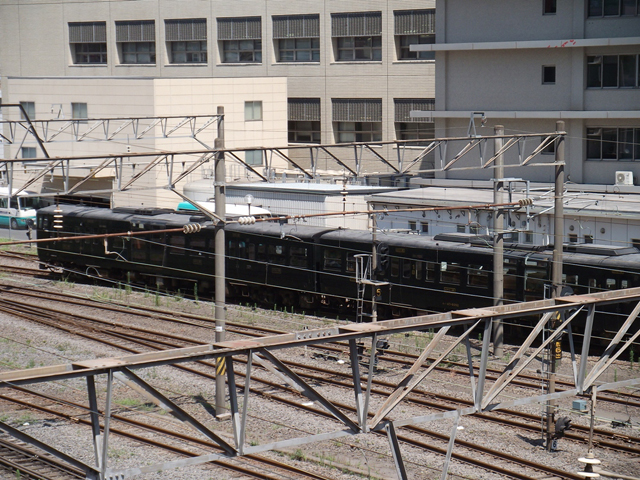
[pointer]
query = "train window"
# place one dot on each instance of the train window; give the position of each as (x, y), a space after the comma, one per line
(592, 284)
(611, 283)
(624, 283)
(395, 267)
(528, 237)
(197, 245)
(276, 254)
(534, 280)
(298, 256)
(450, 273)
(156, 249)
(116, 243)
(477, 276)
(262, 252)
(232, 250)
(406, 268)
(510, 270)
(351, 263)
(419, 266)
(332, 260)
(177, 244)
(251, 251)
(237, 249)
(429, 271)
(138, 249)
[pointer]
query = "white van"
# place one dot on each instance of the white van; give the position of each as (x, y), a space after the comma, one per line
(18, 211)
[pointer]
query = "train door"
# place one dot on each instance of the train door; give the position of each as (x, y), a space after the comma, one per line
(536, 276)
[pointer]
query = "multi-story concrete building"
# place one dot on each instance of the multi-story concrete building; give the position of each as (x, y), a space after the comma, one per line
(346, 66)
(527, 64)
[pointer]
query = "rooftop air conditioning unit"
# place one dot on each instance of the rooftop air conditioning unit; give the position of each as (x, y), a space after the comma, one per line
(624, 178)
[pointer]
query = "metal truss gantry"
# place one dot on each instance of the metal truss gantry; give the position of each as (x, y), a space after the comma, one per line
(59, 130)
(347, 157)
(387, 418)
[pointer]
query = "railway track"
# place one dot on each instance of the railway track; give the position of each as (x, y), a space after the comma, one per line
(28, 463)
(402, 359)
(159, 344)
(254, 466)
(393, 357)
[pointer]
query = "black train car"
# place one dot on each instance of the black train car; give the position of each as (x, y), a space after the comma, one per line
(311, 267)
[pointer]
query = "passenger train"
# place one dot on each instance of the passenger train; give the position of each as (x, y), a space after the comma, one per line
(311, 268)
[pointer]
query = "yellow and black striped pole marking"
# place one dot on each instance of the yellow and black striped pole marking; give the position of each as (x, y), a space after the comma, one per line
(221, 366)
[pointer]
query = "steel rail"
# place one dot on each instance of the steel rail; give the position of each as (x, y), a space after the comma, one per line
(421, 430)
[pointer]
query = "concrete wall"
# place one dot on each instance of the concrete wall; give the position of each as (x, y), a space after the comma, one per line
(139, 97)
(505, 81)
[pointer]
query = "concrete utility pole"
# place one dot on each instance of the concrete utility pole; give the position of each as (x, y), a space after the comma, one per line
(556, 272)
(498, 242)
(220, 273)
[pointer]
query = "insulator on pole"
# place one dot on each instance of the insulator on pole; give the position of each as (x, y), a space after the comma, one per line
(247, 220)
(523, 202)
(192, 228)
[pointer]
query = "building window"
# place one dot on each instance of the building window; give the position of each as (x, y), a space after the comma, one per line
(252, 111)
(549, 7)
(299, 50)
(573, 238)
(297, 38)
(612, 71)
(28, 110)
(413, 226)
(611, 143)
(612, 8)
(461, 228)
(304, 120)
(548, 74)
(588, 239)
(186, 40)
(424, 226)
(240, 39)
(253, 157)
(28, 152)
(414, 27)
(347, 132)
(136, 42)
(357, 120)
(88, 42)
(79, 111)
(357, 36)
(528, 237)
(408, 128)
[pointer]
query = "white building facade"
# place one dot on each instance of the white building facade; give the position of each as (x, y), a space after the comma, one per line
(348, 71)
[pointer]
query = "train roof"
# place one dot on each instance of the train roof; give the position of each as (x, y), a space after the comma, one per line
(614, 257)
(133, 215)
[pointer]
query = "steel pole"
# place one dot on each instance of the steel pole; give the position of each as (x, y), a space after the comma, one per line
(220, 274)
(558, 215)
(556, 270)
(374, 267)
(498, 242)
